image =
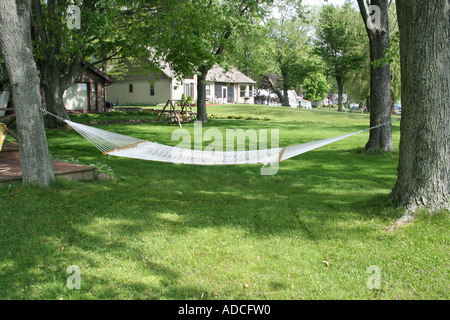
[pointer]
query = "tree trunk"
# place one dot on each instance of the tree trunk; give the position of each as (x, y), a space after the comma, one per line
(16, 46)
(380, 78)
(51, 82)
(423, 171)
(49, 65)
(201, 94)
(340, 83)
(277, 91)
(285, 100)
(368, 103)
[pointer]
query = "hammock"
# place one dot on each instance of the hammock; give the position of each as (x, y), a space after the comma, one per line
(115, 144)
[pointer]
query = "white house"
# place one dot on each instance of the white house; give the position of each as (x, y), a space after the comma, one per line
(296, 101)
(305, 104)
(230, 86)
(156, 85)
(293, 98)
(264, 96)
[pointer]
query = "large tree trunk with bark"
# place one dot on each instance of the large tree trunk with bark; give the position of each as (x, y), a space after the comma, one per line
(423, 171)
(285, 98)
(53, 92)
(201, 94)
(380, 78)
(48, 63)
(15, 43)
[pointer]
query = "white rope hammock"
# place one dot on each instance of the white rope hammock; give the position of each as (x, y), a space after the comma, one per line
(128, 147)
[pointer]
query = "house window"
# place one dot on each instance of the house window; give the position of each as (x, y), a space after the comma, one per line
(250, 91)
(152, 90)
(130, 88)
(243, 91)
(208, 89)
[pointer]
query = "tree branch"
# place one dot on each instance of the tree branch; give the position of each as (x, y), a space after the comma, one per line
(365, 17)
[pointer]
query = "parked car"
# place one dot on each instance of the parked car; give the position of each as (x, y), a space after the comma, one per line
(397, 109)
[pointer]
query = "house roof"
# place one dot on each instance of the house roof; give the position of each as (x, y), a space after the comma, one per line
(215, 74)
(97, 71)
(219, 74)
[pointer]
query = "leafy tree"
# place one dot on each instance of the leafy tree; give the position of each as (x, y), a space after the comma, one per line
(288, 54)
(278, 51)
(192, 36)
(107, 28)
(338, 38)
(315, 87)
(357, 85)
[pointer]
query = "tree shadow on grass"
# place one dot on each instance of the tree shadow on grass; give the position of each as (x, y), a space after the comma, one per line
(104, 226)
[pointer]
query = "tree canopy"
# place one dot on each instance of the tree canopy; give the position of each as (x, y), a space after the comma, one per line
(338, 39)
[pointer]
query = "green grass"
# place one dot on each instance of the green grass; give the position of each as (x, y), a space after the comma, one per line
(165, 231)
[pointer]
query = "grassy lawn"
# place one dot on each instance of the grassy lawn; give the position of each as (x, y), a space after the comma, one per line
(166, 231)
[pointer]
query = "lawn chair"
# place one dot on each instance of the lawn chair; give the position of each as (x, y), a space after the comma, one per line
(3, 131)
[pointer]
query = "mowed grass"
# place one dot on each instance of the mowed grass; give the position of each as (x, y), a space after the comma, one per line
(166, 231)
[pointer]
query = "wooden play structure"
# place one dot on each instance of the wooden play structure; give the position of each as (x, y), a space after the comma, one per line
(183, 115)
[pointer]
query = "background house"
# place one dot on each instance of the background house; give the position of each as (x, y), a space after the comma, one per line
(87, 94)
(230, 86)
(305, 104)
(145, 84)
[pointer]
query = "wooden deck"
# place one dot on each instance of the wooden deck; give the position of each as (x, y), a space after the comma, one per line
(11, 171)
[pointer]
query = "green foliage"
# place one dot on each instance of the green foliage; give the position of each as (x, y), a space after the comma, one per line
(107, 29)
(100, 167)
(277, 52)
(195, 33)
(238, 116)
(315, 87)
(340, 33)
(392, 54)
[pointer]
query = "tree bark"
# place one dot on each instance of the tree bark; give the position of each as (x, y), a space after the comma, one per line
(53, 92)
(49, 65)
(423, 171)
(285, 100)
(201, 94)
(275, 89)
(368, 103)
(340, 83)
(380, 78)
(16, 46)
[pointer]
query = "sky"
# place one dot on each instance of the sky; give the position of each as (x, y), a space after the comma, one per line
(319, 2)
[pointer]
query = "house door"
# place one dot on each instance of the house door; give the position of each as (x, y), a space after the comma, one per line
(224, 93)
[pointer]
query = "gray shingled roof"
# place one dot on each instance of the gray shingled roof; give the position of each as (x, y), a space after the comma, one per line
(219, 74)
(216, 74)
